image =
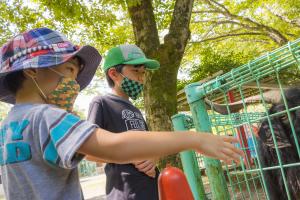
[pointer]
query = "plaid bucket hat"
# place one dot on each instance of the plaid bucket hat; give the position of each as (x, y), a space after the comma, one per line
(42, 48)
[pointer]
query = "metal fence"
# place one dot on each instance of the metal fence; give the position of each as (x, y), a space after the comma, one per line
(266, 119)
(87, 168)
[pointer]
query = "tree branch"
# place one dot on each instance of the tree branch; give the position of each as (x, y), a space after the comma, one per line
(253, 40)
(222, 6)
(295, 22)
(209, 30)
(227, 36)
(179, 32)
(205, 11)
(248, 23)
(229, 22)
(213, 21)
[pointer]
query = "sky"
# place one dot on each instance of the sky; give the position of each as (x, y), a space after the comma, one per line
(83, 100)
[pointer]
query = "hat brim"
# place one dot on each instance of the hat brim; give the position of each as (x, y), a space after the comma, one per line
(148, 63)
(88, 55)
(91, 59)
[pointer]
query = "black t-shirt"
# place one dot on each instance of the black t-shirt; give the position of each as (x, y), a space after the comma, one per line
(124, 181)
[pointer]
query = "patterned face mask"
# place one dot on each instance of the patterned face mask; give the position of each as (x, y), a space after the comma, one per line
(65, 93)
(132, 88)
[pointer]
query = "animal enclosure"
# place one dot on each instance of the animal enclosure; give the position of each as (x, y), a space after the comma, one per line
(259, 103)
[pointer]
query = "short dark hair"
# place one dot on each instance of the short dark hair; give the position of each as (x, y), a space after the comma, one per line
(14, 81)
(110, 82)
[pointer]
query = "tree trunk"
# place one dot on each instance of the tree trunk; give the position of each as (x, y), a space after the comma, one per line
(161, 85)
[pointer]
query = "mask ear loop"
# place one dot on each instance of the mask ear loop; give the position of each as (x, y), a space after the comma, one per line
(123, 75)
(58, 73)
(37, 85)
(122, 81)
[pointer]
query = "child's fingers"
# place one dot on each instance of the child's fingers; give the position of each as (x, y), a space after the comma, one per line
(142, 165)
(225, 158)
(145, 166)
(233, 148)
(230, 139)
(151, 171)
(151, 174)
(231, 154)
(139, 162)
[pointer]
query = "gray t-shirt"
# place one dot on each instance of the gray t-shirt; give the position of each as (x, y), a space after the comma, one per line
(38, 152)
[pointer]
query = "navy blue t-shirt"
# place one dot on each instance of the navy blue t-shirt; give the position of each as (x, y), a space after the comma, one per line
(124, 181)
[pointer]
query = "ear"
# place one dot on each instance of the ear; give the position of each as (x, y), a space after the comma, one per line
(30, 73)
(113, 74)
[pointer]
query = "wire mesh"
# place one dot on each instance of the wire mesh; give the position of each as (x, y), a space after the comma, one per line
(267, 125)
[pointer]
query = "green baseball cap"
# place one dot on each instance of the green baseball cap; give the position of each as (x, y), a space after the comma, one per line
(128, 54)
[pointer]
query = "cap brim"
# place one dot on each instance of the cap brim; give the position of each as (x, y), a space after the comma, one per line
(90, 58)
(148, 63)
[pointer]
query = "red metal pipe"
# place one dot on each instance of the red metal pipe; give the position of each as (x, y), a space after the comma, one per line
(242, 136)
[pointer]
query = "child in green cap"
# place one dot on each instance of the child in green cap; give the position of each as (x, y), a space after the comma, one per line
(42, 142)
(125, 67)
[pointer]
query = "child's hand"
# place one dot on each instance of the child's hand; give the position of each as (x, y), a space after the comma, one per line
(219, 147)
(147, 167)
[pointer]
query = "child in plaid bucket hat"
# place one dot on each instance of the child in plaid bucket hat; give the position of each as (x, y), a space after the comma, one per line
(42, 142)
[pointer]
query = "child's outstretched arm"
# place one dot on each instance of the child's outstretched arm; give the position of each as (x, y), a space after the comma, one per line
(135, 145)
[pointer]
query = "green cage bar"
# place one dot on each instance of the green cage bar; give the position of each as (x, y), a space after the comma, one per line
(261, 67)
(182, 122)
(213, 167)
(248, 180)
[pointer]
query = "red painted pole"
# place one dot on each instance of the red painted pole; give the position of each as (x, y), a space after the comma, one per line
(241, 135)
(173, 185)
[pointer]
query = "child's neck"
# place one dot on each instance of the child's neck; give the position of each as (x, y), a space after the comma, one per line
(23, 97)
(120, 93)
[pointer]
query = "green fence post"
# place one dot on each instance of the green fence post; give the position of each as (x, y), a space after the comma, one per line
(183, 122)
(195, 96)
